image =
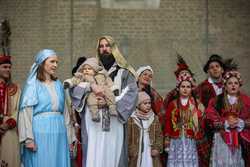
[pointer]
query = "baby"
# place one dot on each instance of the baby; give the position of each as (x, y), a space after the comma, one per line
(90, 71)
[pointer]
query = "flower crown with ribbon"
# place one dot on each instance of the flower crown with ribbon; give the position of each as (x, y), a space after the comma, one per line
(230, 74)
(180, 79)
(231, 70)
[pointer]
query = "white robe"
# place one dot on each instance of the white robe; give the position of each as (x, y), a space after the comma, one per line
(104, 147)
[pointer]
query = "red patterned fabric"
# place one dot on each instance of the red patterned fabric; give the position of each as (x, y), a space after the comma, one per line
(203, 145)
(217, 119)
(205, 92)
(5, 92)
(3, 101)
(173, 118)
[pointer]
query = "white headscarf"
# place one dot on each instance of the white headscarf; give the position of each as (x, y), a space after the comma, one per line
(142, 69)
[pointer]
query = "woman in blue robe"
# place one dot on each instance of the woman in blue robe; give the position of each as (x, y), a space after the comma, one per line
(43, 120)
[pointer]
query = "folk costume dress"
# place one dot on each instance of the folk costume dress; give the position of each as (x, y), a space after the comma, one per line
(231, 147)
(9, 145)
(183, 127)
(44, 119)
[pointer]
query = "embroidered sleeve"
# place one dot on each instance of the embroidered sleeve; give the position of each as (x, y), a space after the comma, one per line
(171, 121)
(174, 120)
(11, 120)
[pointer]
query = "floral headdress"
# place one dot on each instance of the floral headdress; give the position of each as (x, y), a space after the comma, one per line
(231, 74)
(231, 70)
(180, 79)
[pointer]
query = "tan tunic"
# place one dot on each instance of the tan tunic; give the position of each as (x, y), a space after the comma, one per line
(156, 139)
(9, 146)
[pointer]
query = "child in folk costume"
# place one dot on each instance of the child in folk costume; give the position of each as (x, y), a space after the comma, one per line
(144, 135)
(91, 72)
(183, 126)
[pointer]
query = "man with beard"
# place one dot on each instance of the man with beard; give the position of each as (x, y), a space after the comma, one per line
(96, 143)
(207, 90)
(9, 100)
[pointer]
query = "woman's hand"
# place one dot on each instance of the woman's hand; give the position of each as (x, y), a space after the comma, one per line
(31, 145)
(233, 122)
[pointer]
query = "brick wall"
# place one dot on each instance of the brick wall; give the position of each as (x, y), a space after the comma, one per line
(193, 28)
(229, 27)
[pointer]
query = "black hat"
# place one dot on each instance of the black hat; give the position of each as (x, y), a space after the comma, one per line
(79, 62)
(213, 58)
